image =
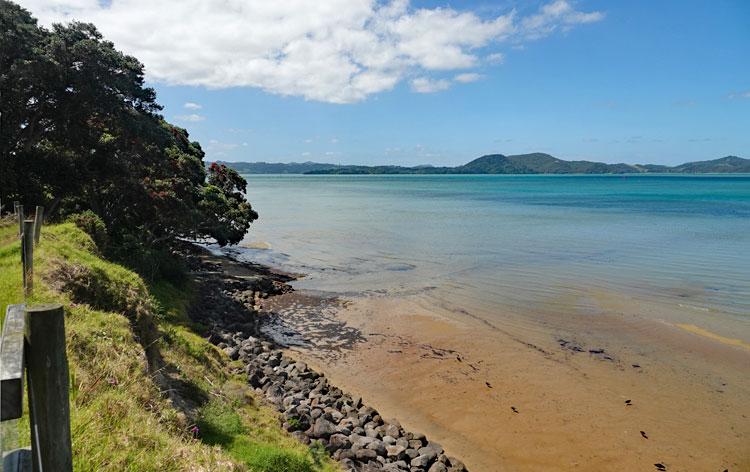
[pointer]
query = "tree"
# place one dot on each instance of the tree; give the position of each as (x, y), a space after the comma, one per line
(227, 215)
(81, 131)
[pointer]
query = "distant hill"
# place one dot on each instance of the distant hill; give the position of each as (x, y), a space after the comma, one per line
(540, 163)
(726, 165)
(535, 163)
(277, 168)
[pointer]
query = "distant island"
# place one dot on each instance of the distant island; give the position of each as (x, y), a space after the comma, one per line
(535, 163)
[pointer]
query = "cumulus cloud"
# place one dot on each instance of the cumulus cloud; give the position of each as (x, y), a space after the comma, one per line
(191, 118)
(427, 85)
(338, 51)
(192, 106)
(468, 77)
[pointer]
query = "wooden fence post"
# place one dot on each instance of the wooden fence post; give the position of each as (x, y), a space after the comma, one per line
(38, 220)
(19, 214)
(27, 256)
(47, 374)
(13, 364)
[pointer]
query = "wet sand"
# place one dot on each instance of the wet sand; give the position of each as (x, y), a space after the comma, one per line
(605, 392)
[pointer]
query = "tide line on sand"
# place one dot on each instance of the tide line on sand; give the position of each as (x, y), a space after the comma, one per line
(716, 337)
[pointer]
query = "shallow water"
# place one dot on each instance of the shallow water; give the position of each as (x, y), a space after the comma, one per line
(488, 246)
(560, 296)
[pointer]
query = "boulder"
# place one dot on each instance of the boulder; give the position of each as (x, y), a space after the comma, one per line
(422, 460)
(338, 441)
(391, 430)
(396, 451)
(323, 428)
(428, 452)
(365, 454)
(378, 446)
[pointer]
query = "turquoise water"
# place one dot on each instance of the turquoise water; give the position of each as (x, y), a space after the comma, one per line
(490, 245)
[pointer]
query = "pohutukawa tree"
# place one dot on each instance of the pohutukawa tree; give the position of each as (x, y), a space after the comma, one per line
(79, 130)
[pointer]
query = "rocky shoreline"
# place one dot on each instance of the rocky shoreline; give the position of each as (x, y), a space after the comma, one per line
(312, 409)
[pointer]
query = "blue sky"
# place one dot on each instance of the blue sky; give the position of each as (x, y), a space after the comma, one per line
(634, 81)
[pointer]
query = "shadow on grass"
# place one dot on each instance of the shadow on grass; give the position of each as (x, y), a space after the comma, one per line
(220, 425)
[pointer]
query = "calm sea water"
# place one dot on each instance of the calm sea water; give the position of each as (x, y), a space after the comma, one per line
(493, 244)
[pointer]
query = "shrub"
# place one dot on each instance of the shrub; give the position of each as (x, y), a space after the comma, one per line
(92, 225)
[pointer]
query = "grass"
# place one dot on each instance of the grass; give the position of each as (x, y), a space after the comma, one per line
(119, 418)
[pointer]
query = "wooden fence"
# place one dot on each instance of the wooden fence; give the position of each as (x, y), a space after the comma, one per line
(33, 346)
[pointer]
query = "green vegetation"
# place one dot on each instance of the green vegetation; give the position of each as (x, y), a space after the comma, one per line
(81, 132)
(535, 163)
(121, 420)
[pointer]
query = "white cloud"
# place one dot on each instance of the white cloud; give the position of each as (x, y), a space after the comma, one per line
(427, 85)
(495, 58)
(215, 148)
(338, 51)
(559, 14)
(334, 140)
(191, 118)
(468, 77)
(745, 94)
(192, 106)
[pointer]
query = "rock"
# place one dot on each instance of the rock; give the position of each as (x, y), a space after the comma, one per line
(275, 394)
(389, 440)
(393, 467)
(423, 460)
(378, 446)
(429, 452)
(455, 465)
(323, 428)
(395, 451)
(359, 442)
(438, 467)
(415, 443)
(392, 430)
(338, 441)
(301, 437)
(372, 466)
(453, 462)
(365, 454)
(255, 380)
(435, 447)
(411, 453)
(233, 352)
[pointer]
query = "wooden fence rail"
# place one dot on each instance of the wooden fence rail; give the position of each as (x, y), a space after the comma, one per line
(32, 345)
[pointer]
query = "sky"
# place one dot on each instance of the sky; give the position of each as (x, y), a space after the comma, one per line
(427, 82)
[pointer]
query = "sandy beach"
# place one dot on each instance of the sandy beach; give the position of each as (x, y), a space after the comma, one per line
(607, 393)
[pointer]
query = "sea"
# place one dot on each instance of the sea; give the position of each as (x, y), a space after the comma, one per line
(495, 246)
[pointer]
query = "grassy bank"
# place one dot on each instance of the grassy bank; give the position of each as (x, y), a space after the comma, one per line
(122, 415)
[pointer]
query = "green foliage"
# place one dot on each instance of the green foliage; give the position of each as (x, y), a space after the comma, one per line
(220, 424)
(120, 419)
(228, 214)
(92, 225)
(81, 132)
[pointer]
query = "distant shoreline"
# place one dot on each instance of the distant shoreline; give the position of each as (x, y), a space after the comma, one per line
(523, 164)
